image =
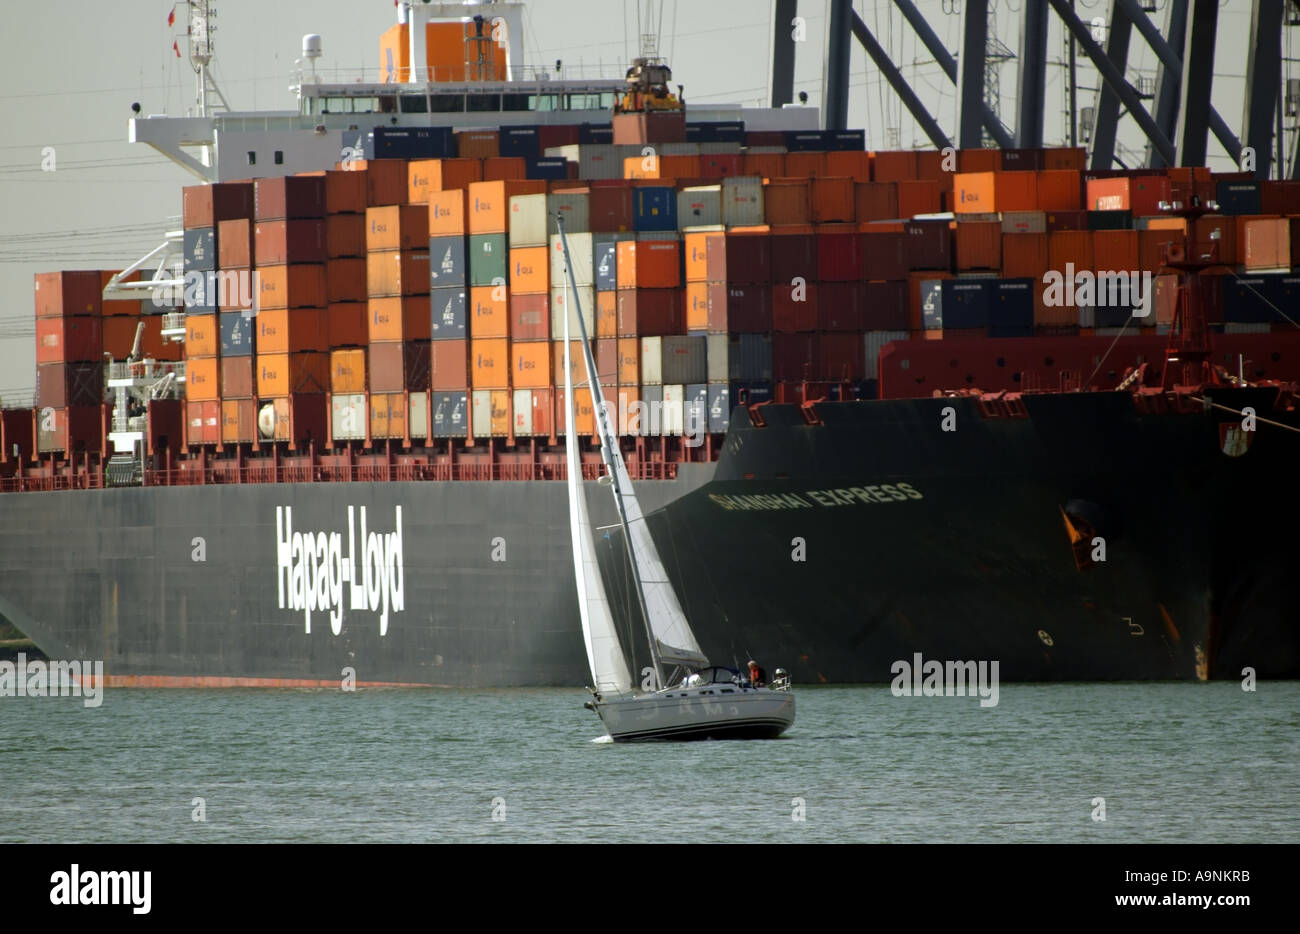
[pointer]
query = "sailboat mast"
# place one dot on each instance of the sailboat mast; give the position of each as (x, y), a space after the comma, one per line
(606, 438)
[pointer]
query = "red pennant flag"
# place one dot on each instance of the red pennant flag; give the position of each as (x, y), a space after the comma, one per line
(176, 49)
(171, 17)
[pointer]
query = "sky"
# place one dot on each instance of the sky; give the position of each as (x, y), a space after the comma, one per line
(72, 69)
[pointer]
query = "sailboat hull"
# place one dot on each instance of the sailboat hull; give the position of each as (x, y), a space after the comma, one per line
(711, 712)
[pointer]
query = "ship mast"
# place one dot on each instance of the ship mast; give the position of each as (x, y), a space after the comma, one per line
(1187, 355)
(201, 29)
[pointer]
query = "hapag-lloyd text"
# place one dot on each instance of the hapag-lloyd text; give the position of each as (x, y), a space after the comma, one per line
(311, 569)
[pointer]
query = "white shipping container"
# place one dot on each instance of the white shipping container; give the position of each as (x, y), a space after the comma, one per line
(742, 201)
(587, 298)
(672, 415)
(718, 357)
(418, 417)
(523, 412)
(481, 407)
(874, 341)
(581, 247)
(595, 160)
(652, 357)
(699, 207)
(574, 205)
(348, 416)
(528, 220)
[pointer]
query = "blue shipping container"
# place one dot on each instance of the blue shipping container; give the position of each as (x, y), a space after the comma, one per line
(236, 334)
(450, 415)
(606, 265)
(1238, 198)
(655, 208)
(965, 304)
(547, 168)
(410, 142)
(446, 261)
(1011, 306)
(519, 141)
(448, 310)
(595, 133)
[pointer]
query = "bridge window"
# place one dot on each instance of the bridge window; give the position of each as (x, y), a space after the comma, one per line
(542, 102)
(448, 103)
(482, 103)
(414, 104)
(252, 157)
(515, 102)
(279, 157)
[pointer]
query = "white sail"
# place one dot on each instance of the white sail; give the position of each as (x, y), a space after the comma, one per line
(675, 642)
(604, 653)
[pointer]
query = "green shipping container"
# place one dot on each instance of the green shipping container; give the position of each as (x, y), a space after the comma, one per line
(488, 258)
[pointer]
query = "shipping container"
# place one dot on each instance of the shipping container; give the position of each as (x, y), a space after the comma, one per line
(489, 312)
(742, 201)
(69, 339)
(396, 318)
(654, 208)
(695, 306)
(301, 286)
(530, 317)
(449, 313)
(1139, 194)
(202, 422)
(873, 343)
(289, 197)
(739, 308)
(348, 416)
(348, 323)
(611, 208)
(529, 220)
(884, 305)
(236, 334)
(488, 203)
(1011, 307)
(794, 308)
(345, 280)
(490, 364)
(651, 361)
(202, 335)
(990, 192)
(447, 262)
(1024, 254)
(562, 299)
(649, 264)
(918, 196)
(1114, 250)
(209, 204)
(649, 312)
(346, 191)
(238, 421)
(519, 141)
(763, 164)
(399, 365)
(606, 313)
(584, 415)
(884, 255)
(530, 364)
(235, 244)
(787, 202)
(414, 142)
(345, 236)
(1265, 243)
(794, 356)
(794, 255)
(1056, 190)
(893, 166)
(450, 414)
(530, 270)
(447, 213)
(875, 201)
(202, 379)
(348, 370)
(572, 204)
(699, 206)
(842, 257)
(237, 377)
(581, 255)
(489, 259)
(965, 305)
(199, 249)
(60, 385)
(277, 243)
(841, 306)
(1067, 248)
(67, 293)
(397, 272)
(291, 330)
(449, 364)
(281, 374)
(397, 227)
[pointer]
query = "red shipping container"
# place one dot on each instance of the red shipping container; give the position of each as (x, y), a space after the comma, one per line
(301, 418)
(841, 306)
(854, 163)
(841, 257)
(649, 264)
(763, 164)
(884, 256)
(979, 244)
(345, 280)
(400, 318)
(529, 318)
(1115, 250)
(840, 357)
(919, 196)
(876, 201)
(504, 168)
(720, 165)
(607, 361)
(893, 166)
(1024, 255)
(72, 339)
(237, 377)
(1069, 246)
(348, 324)
(1058, 190)
(1067, 220)
(787, 201)
(63, 384)
(345, 236)
(550, 135)
(794, 255)
(794, 356)
(742, 309)
(794, 308)
(1141, 195)
(277, 243)
(979, 160)
(1152, 244)
(345, 191)
(282, 374)
(926, 245)
(119, 335)
(884, 306)
(291, 286)
(385, 181)
(289, 197)
(610, 208)
(398, 365)
(806, 164)
(737, 258)
(449, 365)
(235, 244)
(67, 293)
(650, 312)
(238, 421)
(202, 423)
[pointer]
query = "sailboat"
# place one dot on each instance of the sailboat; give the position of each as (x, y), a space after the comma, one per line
(700, 700)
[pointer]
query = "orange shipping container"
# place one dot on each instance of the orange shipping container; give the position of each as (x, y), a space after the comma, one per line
(893, 166)
(152, 343)
(202, 379)
(979, 244)
(1115, 250)
(853, 163)
(234, 243)
(397, 272)
(1024, 255)
(990, 192)
(649, 264)
(530, 364)
(501, 420)
(1069, 246)
(395, 318)
(920, 196)
(385, 180)
(1264, 243)
(805, 164)
(504, 169)
(697, 306)
(764, 164)
(876, 201)
(489, 316)
(584, 416)
(397, 227)
(606, 313)
(282, 374)
(934, 164)
(832, 200)
(202, 336)
(979, 160)
(300, 286)
(447, 213)
(530, 270)
(1058, 190)
(787, 201)
(291, 330)
(477, 144)
(577, 368)
(629, 361)
(424, 177)
(348, 370)
(490, 363)
(697, 267)
(489, 203)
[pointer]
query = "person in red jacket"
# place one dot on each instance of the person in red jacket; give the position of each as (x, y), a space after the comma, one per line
(757, 676)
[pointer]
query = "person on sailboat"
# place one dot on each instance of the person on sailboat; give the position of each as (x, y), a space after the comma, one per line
(757, 676)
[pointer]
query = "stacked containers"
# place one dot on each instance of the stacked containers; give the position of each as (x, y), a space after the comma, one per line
(528, 302)
(449, 301)
(398, 278)
(69, 360)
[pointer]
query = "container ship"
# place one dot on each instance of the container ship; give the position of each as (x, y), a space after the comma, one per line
(977, 404)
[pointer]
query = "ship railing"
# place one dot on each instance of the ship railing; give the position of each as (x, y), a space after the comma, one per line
(398, 472)
(43, 483)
